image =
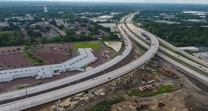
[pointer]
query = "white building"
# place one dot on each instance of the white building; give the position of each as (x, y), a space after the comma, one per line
(45, 9)
(192, 49)
(84, 59)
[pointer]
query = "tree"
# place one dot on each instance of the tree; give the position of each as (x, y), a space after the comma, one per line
(53, 22)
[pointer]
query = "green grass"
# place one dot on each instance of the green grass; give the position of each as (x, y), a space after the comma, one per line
(180, 54)
(140, 46)
(185, 64)
(172, 50)
(115, 27)
(156, 91)
(93, 45)
(36, 61)
(26, 86)
(181, 62)
(106, 105)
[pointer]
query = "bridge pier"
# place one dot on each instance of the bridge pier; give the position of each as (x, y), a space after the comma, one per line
(114, 83)
(131, 74)
(142, 67)
(90, 93)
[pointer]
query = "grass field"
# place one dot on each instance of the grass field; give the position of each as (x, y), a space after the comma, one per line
(36, 61)
(157, 90)
(93, 45)
(106, 105)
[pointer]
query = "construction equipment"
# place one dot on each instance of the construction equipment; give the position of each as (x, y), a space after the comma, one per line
(168, 70)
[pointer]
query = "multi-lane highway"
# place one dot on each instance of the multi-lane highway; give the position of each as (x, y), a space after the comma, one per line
(200, 66)
(91, 83)
(74, 78)
(191, 72)
(57, 94)
(194, 64)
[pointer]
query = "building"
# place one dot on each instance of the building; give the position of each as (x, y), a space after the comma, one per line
(192, 49)
(45, 9)
(3, 24)
(59, 31)
(80, 62)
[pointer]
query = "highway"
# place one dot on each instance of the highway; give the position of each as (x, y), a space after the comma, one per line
(194, 64)
(191, 72)
(64, 92)
(55, 84)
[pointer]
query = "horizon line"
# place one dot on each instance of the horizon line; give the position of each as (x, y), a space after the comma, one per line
(103, 2)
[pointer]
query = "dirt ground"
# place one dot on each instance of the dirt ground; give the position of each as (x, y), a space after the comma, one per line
(53, 53)
(173, 102)
(195, 98)
(14, 61)
(52, 57)
(49, 56)
(189, 98)
(13, 49)
(11, 57)
(65, 47)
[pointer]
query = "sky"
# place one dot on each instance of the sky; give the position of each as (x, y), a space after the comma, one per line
(143, 1)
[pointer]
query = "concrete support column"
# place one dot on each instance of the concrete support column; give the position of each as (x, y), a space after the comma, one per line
(131, 74)
(90, 93)
(141, 67)
(114, 83)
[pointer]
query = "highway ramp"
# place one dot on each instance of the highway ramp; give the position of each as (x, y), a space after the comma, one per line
(67, 91)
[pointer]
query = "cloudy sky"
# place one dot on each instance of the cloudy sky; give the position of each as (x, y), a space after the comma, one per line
(146, 1)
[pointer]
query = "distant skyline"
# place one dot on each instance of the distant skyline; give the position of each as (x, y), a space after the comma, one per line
(139, 1)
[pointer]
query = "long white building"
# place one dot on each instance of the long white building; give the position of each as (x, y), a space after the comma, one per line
(77, 63)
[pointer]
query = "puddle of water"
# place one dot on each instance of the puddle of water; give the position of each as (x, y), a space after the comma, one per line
(114, 45)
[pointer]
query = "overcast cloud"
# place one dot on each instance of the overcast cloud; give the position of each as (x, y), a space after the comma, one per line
(144, 1)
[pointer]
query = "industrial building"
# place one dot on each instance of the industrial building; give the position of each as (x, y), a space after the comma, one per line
(84, 59)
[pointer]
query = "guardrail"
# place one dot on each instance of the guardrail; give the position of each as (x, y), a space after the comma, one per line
(55, 84)
(64, 92)
(190, 72)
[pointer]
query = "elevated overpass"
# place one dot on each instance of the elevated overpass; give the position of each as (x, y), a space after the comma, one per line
(67, 91)
(58, 83)
(189, 71)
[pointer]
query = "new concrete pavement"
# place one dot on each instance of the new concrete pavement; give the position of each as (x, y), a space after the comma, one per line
(64, 92)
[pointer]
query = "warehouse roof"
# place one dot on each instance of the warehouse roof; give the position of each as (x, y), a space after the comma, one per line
(84, 58)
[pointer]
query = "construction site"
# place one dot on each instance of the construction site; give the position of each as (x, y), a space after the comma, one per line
(155, 86)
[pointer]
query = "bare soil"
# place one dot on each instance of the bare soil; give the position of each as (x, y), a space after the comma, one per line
(189, 98)
(64, 47)
(14, 61)
(13, 49)
(52, 57)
